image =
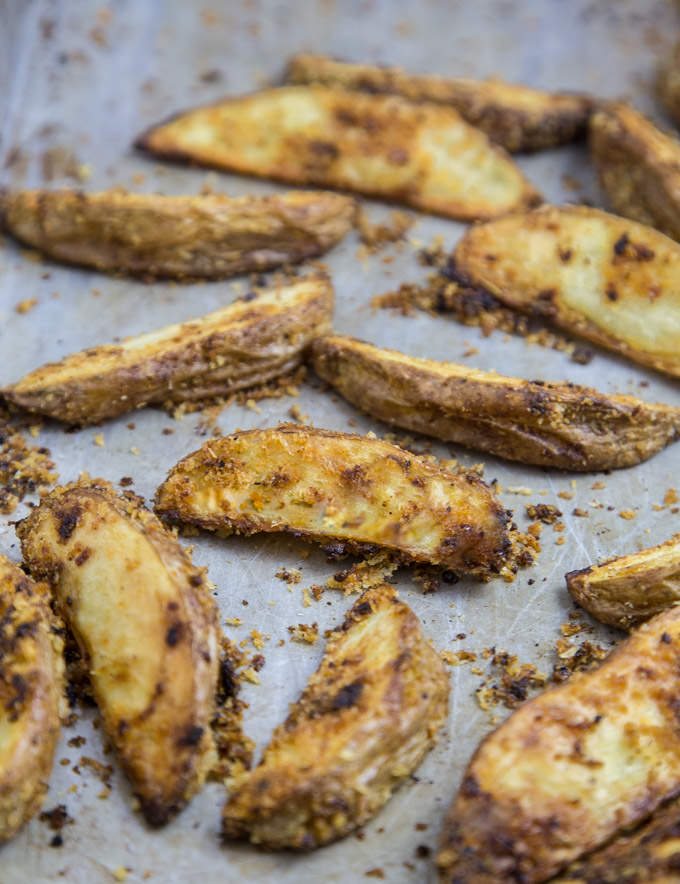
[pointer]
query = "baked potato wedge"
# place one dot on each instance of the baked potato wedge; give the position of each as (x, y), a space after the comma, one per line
(518, 118)
(608, 279)
(256, 338)
(650, 854)
(364, 722)
(147, 626)
(572, 767)
(550, 424)
(183, 237)
(425, 156)
(668, 84)
(31, 694)
(627, 590)
(352, 493)
(638, 166)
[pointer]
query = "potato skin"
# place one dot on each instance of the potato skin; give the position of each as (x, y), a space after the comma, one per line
(182, 237)
(518, 118)
(147, 626)
(638, 166)
(572, 767)
(31, 696)
(425, 156)
(625, 591)
(549, 424)
(364, 722)
(608, 279)
(353, 493)
(249, 342)
(650, 854)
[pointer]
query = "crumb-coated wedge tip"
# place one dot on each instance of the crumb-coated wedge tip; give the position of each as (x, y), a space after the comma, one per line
(535, 422)
(519, 118)
(425, 156)
(146, 623)
(257, 338)
(571, 768)
(364, 722)
(627, 590)
(351, 493)
(31, 695)
(210, 236)
(638, 166)
(608, 279)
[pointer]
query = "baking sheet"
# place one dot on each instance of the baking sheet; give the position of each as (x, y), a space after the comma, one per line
(79, 81)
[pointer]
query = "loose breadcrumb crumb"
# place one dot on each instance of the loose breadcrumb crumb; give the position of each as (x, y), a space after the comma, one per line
(26, 305)
(455, 658)
(627, 514)
(303, 632)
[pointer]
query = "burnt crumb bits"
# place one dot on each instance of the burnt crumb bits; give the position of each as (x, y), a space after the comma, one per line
(191, 736)
(174, 634)
(56, 841)
(544, 512)
(24, 469)
(126, 481)
(347, 696)
(56, 818)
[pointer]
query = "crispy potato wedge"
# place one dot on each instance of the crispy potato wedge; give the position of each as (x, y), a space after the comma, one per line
(650, 854)
(627, 590)
(424, 156)
(668, 84)
(146, 624)
(516, 117)
(611, 280)
(638, 166)
(551, 424)
(572, 767)
(352, 493)
(364, 722)
(184, 237)
(31, 694)
(253, 340)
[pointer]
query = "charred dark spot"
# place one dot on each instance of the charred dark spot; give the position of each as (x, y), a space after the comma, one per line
(341, 576)
(227, 684)
(191, 736)
(665, 637)
(173, 606)
(83, 556)
(418, 482)
(625, 248)
(123, 727)
(450, 577)
(20, 688)
(322, 149)
(155, 812)
(398, 156)
(346, 117)
(56, 818)
(565, 255)
(620, 244)
(174, 634)
(470, 787)
(196, 579)
(57, 841)
(126, 481)
(582, 355)
(67, 520)
(347, 696)
(362, 608)
(423, 851)
(611, 293)
(258, 662)
(335, 550)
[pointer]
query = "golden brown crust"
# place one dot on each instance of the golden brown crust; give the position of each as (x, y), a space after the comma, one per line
(31, 692)
(518, 118)
(425, 156)
(668, 84)
(572, 767)
(650, 855)
(182, 237)
(351, 492)
(550, 424)
(638, 166)
(147, 626)
(250, 341)
(627, 590)
(364, 722)
(606, 278)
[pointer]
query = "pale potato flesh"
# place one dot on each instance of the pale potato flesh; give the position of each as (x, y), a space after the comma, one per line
(608, 279)
(253, 340)
(627, 590)
(184, 237)
(550, 424)
(572, 767)
(31, 696)
(364, 722)
(147, 626)
(350, 492)
(517, 117)
(425, 156)
(638, 166)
